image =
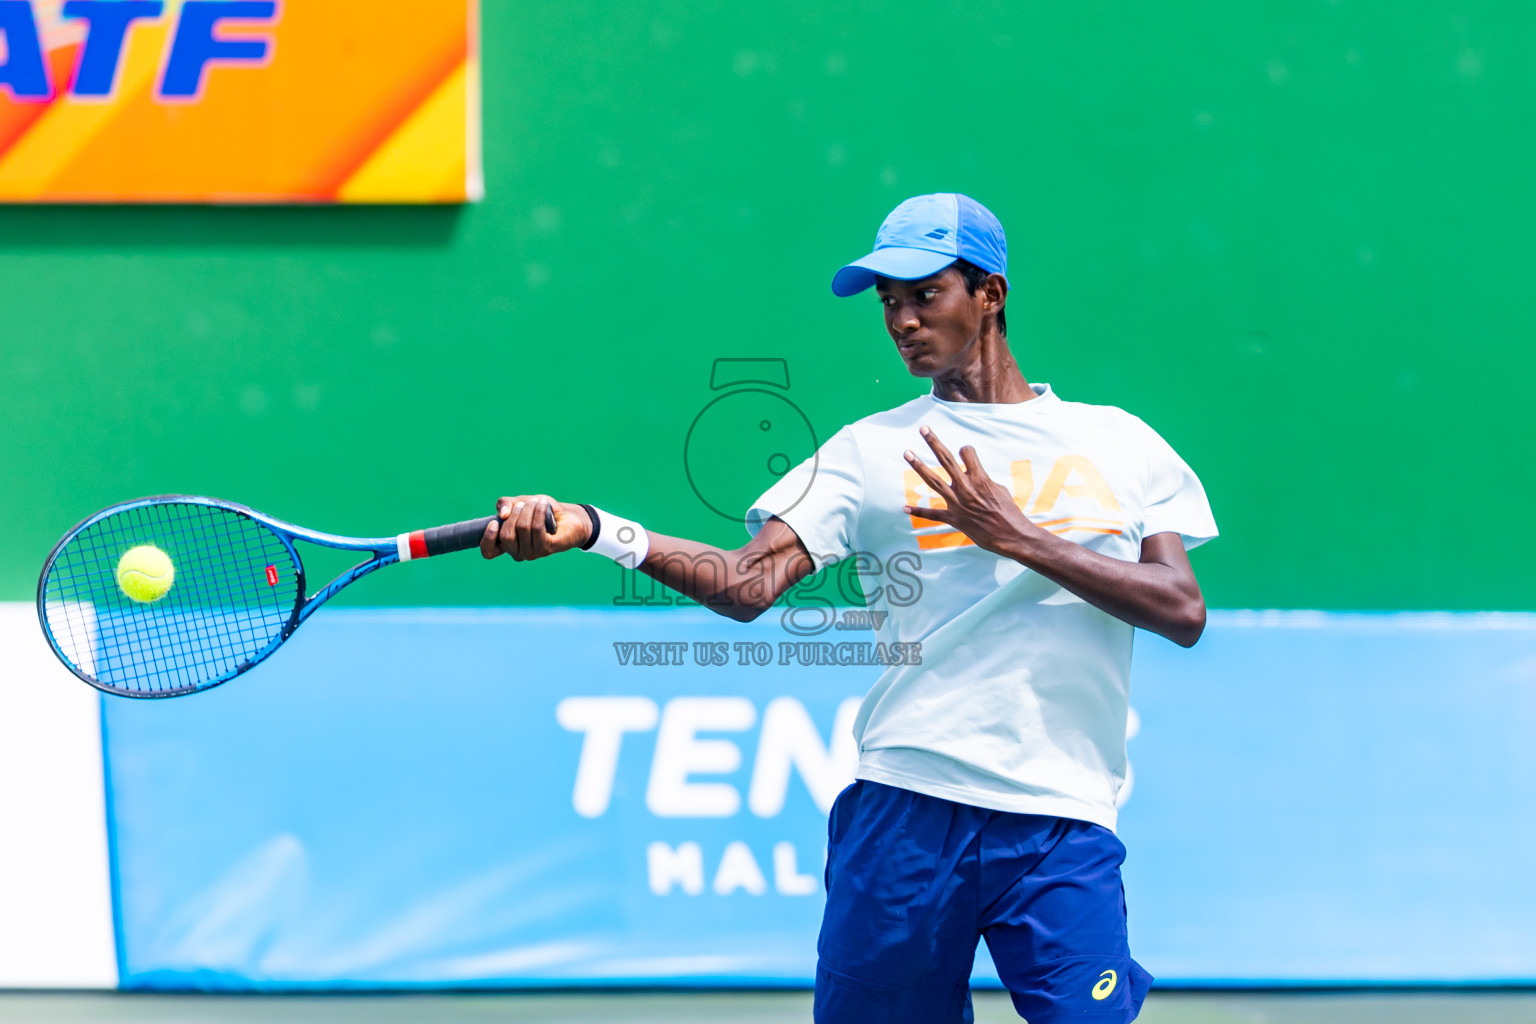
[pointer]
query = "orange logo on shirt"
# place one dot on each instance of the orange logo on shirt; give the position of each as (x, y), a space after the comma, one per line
(1073, 476)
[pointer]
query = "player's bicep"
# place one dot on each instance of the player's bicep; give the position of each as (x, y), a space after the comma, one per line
(1167, 550)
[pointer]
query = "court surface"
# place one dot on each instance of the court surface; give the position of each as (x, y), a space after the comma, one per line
(736, 1008)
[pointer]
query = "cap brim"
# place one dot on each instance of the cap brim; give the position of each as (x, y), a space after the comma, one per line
(891, 261)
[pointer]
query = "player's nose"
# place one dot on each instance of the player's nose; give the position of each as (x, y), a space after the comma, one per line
(905, 320)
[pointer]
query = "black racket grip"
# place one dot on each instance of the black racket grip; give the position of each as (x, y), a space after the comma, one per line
(440, 540)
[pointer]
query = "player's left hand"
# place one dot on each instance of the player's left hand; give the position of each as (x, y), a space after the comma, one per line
(974, 503)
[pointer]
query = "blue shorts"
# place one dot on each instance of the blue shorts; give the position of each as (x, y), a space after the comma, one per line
(913, 882)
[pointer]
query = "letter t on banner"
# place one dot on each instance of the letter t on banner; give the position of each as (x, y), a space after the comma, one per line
(109, 21)
(603, 721)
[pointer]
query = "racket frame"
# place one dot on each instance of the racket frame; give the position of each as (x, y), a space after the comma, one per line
(385, 551)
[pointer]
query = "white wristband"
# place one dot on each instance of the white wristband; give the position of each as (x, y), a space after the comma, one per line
(620, 539)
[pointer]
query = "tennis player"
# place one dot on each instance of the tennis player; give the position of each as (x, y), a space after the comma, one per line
(1046, 531)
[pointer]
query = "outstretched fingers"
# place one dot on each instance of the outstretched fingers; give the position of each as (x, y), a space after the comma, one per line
(946, 459)
(935, 483)
(936, 515)
(938, 484)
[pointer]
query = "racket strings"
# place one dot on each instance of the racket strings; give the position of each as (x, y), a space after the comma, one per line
(222, 611)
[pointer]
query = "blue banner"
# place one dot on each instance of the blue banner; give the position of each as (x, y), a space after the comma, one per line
(552, 797)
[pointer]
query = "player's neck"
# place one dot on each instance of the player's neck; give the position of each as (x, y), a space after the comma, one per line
(991, 376)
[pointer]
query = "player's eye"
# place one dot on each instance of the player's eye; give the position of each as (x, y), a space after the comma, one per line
(928, 294)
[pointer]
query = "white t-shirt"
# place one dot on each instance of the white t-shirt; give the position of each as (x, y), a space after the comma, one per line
(1020, 700)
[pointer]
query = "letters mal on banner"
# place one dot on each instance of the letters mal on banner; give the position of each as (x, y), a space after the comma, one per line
(314, 101)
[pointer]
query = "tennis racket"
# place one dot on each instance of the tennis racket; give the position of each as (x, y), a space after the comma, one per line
(238, 590)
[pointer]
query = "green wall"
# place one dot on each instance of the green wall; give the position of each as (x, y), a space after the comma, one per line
(1294, 237)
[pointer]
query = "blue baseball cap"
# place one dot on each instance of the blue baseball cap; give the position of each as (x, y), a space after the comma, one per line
(924, 235)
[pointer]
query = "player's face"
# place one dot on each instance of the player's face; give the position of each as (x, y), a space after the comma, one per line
(933, 321)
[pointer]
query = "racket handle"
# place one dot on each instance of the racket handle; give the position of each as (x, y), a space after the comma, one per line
(441, 540)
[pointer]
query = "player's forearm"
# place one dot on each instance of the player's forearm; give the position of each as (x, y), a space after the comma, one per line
(1150, 595)
(737, 584)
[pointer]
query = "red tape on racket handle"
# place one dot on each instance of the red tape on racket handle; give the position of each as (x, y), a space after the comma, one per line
(441, 540)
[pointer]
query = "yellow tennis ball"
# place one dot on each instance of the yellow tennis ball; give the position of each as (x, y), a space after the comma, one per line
(145, 573)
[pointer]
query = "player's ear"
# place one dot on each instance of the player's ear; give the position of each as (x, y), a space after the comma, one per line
(994, 292)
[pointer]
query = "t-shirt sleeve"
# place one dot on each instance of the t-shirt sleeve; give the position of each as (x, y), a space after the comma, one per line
(1175, 500)
(819, 499)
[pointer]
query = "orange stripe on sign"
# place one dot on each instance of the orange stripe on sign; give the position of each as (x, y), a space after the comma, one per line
(365, 146)
(17, 117)
(409, 166)
(70, 127)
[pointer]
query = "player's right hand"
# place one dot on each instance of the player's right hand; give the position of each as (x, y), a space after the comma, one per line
(519, 529)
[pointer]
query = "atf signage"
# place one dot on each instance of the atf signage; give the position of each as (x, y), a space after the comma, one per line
(239, 101)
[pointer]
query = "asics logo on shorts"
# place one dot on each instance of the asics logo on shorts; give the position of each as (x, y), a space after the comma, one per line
(1106, 985)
